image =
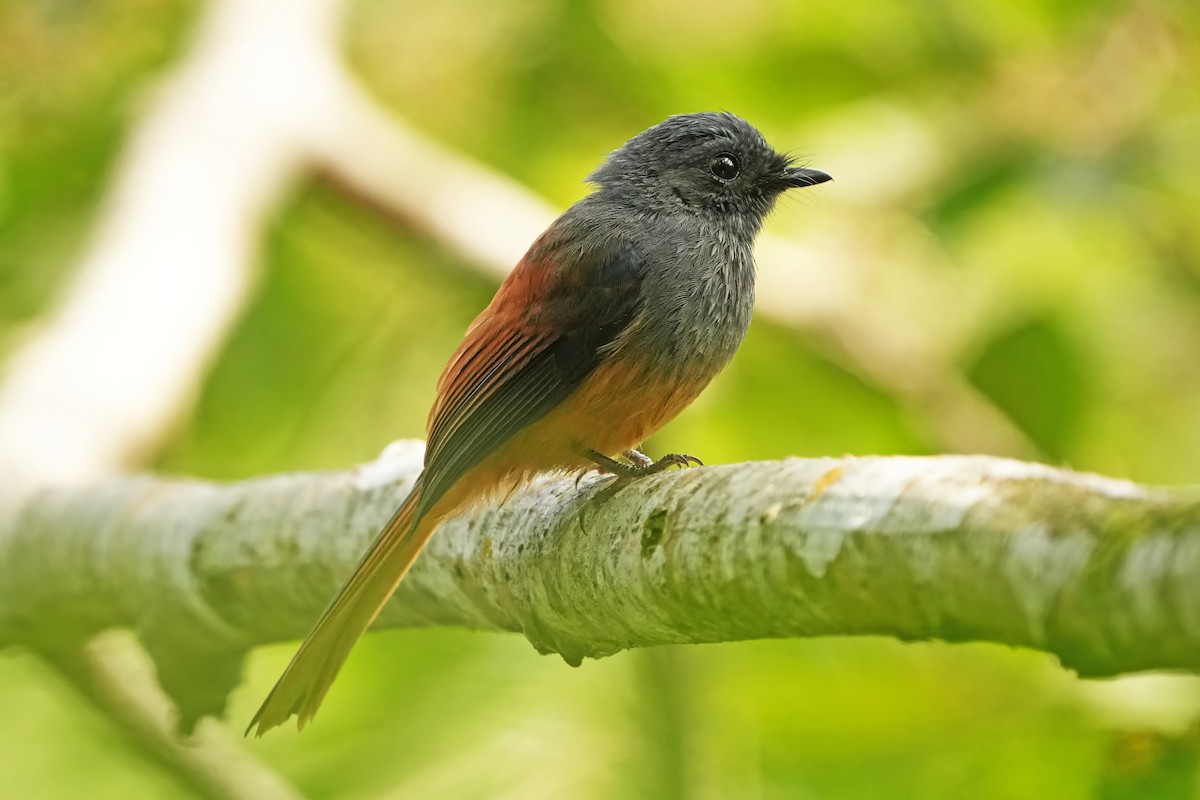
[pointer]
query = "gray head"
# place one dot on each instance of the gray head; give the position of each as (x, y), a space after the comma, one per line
(714, 164)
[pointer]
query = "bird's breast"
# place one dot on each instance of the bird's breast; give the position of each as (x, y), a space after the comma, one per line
(696, 307)
(696, 296)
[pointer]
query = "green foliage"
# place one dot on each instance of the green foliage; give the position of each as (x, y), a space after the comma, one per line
(1034, 374)
(1028, 196)
(71, 78)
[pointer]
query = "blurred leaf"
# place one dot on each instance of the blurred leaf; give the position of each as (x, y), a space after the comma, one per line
(1149, 765)
(1034, 372)
(341, 350)
(977, 186)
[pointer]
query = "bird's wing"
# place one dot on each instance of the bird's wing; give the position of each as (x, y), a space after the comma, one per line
(542, 335)
(538, 340)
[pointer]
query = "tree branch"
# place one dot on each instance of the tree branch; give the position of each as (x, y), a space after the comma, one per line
(1103, 573)
(169, 264)
(114, 675)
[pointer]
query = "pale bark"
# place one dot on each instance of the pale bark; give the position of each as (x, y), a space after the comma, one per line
(1103, 573)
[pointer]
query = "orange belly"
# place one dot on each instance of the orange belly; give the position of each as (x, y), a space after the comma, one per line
(614, 410)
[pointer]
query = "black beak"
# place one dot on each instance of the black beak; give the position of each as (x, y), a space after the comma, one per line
(797, 177)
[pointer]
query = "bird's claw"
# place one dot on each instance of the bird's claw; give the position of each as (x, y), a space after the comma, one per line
(681, 460)
(642, 465)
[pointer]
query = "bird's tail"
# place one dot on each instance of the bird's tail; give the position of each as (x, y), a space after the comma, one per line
(308, 677)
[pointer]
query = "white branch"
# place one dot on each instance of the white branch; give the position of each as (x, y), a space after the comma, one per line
(1103, 573)
(118, 678)
(169, 266)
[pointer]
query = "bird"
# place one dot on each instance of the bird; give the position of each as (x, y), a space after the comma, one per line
(613, 322)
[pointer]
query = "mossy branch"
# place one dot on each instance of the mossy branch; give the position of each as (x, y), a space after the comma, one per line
(1103, 573)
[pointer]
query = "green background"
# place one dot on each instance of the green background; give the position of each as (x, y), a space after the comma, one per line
(1020, 178)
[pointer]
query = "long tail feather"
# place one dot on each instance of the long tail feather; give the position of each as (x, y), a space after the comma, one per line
(308, 677)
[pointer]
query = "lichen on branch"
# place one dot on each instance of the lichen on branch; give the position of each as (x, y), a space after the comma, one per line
(1103, 573)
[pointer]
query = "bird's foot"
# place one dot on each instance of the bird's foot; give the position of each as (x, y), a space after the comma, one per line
(637, 458)
(642, 465)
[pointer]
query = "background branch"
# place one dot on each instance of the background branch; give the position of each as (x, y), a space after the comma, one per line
(98, 383)
(115, 675)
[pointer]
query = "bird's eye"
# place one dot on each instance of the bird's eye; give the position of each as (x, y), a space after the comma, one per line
(725, 166)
